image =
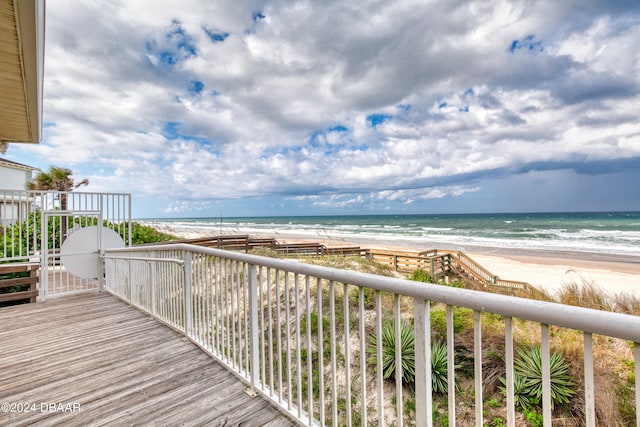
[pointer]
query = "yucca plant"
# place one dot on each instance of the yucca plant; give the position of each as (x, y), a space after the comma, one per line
(529, 368)
(521, 396)
(407, 346)
(439, 367)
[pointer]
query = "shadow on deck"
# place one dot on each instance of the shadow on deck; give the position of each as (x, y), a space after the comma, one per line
(91, 359)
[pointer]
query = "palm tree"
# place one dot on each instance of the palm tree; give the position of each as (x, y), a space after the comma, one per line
(58, 179)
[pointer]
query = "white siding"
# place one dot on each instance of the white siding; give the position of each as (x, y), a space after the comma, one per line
(13, 179)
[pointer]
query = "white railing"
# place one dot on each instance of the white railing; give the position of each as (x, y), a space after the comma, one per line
(18, 225)
(301, 334)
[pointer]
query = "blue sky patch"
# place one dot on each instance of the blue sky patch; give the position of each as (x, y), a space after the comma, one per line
(216, 36)
(258, 16)
(167, 58)
(338, 128)
(333, 148)
(442, 105)
(178, 36)
(177, 46)
(464, 109)
(376, 119)
(282, 151)
(195, 86)
(529, 43)
(318, 137)
(171, 131)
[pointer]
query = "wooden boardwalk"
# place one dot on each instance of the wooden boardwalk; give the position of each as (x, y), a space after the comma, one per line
(90, 359)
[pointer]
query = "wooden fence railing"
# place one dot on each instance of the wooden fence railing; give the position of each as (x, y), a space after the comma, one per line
(437, 262)
(246, 243)
(460, 261)
(405, 262)
(31, 281)
(232, 243)
(440, 262)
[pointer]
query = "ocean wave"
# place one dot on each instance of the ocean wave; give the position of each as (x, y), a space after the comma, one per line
(436, 229)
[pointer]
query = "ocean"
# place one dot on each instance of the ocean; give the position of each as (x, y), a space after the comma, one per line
(611, 233)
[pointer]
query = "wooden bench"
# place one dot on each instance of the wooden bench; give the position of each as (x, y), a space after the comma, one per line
(31, 280)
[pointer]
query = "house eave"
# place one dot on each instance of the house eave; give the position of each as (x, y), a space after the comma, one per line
(22, 26)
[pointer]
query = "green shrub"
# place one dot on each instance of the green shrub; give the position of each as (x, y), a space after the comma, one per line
(534, 418)
(421, 276)
(462, 319)
(25, 234)
(144, 234)
(368, 300)
(456, 283)
(439, 320)
(314, 323)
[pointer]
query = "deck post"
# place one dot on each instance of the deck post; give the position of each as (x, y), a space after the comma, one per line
(253, 320)
(44, 254)
(33, 285)
(477, 366)
(152, 279)
(422, 327)
(589, 388)
(187, 293)
(636, 357)
(545, 352)
(129, 282)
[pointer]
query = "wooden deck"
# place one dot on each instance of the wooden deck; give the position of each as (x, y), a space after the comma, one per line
(90, 359)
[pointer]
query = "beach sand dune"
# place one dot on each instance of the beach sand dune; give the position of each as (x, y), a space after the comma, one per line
(550, 273)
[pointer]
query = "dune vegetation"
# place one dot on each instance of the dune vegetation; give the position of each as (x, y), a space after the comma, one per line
(613, 358)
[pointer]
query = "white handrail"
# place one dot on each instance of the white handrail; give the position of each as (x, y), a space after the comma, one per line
(141, 258)
(584, 319)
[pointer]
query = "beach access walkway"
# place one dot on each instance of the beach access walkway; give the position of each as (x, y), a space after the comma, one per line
(90, 359)
(437, 262)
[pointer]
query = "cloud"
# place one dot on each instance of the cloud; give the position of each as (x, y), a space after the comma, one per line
(187, 206)
(341, 104)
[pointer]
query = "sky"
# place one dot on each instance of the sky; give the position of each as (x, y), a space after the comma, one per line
(253, 108)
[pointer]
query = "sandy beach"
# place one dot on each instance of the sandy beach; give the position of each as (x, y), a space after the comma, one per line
(546, 270)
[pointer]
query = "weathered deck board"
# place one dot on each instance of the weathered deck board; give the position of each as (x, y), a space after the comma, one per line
(120, 366)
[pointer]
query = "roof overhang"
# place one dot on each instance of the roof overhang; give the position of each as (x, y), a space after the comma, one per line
(22, 25)
(14, 165)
